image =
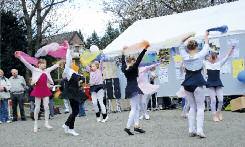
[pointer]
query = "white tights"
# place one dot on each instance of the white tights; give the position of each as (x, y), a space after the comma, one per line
(196, 114)
(99, 96)
(133, 117)
(213, 92)
(37, 108)
(143, 104)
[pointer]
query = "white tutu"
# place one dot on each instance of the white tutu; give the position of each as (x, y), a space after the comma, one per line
(148, 88)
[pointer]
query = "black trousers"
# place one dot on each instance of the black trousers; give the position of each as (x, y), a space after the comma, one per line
(18, 99)
(153, 102)
(75, 110)
(153, 99)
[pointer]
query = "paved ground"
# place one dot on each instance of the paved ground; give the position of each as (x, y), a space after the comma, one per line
(166, 128)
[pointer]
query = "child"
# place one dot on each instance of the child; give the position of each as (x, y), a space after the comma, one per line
(63, 89)
(31, 99)
(81, 109)
(185, 105)
(194, 84)
(81, 105)
(146, 88)
(97, 90)
(131, 70)
(214, 84)
(4, 96)
(40, 78)
(152, 77)
(51, 102)
(73, 93)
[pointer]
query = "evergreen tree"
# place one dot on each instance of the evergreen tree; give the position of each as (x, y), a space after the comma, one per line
(109, 36)
(13, 37)
(93, 40)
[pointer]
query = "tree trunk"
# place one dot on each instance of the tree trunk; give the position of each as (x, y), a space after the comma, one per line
(39, 26)
(29, 36)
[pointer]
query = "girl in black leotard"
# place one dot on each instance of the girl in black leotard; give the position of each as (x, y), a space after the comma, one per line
(133, 92)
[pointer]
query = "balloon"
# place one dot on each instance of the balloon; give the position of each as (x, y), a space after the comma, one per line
(94, 48)
(241, 76)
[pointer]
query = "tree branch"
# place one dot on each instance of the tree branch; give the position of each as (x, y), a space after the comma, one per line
(23, 2)
(34, 9)
(169, 7)
(53, 3)
(46, 27)
(50, 7)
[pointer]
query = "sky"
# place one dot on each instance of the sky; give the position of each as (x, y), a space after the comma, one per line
(86, 15)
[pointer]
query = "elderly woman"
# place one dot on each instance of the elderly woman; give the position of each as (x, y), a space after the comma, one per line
(4, 96)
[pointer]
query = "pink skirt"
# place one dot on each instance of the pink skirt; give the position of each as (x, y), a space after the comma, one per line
(41, 92)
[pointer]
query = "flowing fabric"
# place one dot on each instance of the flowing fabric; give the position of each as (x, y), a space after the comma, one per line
(87, 57)
(136, 47)
(53, 49)
(222, 29)
(28, 58)
(75, 67)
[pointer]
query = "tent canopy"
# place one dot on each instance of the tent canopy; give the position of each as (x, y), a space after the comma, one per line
(166, 31)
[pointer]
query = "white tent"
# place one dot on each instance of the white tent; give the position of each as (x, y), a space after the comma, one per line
(160, 30)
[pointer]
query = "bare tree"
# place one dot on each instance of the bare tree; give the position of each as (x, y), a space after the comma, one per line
(39, 16)
(129, 11)
(35, 13)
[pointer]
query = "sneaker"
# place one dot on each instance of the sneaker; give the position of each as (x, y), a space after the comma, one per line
(104, 120)
(98, 119)
(1, 122)
(192, 134)
(72, 132)
(67, 112)
(184, 115)
(8, 121)
(65, 127)
(51, 117)
(139, 130)
(35, 128)
(147, 116)
(128, 131)
(32, 115)
(48, 126)
(23, 119)
(141, 117)
(201, 135)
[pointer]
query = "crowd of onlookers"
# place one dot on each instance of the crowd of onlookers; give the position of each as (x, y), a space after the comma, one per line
(15, 92)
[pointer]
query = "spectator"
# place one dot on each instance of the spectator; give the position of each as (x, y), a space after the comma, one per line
(4, 96)
(17, 94)
(63, 90)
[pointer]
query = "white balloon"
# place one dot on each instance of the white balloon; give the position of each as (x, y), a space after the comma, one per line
(94, 48)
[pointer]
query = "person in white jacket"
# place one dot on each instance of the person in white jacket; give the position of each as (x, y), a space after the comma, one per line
(4, 96)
